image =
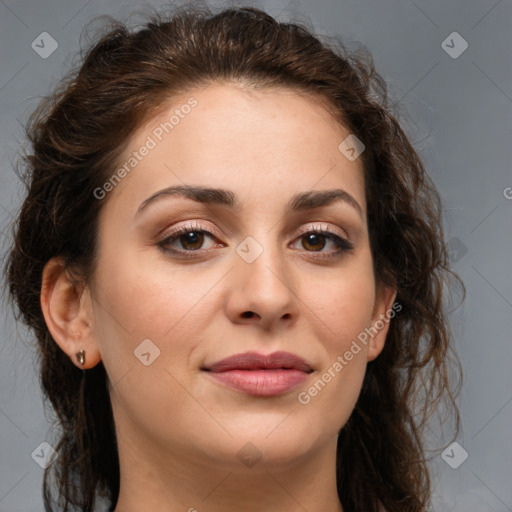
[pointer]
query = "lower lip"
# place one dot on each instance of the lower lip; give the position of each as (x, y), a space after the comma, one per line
(261, 382)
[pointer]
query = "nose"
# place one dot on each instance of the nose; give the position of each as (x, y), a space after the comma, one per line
(262, 290)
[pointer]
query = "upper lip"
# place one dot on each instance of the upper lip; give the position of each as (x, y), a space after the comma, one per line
(256, 361)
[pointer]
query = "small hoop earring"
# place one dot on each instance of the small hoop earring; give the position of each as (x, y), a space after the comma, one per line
(80, 357)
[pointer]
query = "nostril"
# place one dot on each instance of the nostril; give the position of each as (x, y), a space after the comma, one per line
(248, 314)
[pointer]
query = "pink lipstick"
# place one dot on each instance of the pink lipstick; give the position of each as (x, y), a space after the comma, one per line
(261, 375)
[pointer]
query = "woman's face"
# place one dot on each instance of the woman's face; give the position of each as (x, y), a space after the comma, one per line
(166, 307)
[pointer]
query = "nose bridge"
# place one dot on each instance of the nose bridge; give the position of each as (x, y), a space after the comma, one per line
(263, 273)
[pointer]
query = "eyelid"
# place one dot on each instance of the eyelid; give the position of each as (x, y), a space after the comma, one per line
(195, 226)
(346, 243)
(327, 228)
(184, 228)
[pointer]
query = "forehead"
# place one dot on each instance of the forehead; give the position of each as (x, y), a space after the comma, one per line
(268, 143)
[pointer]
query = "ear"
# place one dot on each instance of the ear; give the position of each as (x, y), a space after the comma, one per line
(382, 314)
(67, 310)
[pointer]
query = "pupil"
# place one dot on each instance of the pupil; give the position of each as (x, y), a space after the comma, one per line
(191, 238)
(312, 238)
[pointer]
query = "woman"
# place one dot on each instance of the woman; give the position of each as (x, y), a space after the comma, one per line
(234, 264)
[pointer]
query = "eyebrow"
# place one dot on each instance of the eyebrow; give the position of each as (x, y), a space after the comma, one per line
(299, 202)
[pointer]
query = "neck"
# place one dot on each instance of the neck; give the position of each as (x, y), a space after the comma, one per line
(156, 480)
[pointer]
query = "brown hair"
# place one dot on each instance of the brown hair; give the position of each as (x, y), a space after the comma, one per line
(77, 135)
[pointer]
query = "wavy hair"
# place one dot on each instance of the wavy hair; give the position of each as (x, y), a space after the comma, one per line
(76, 137)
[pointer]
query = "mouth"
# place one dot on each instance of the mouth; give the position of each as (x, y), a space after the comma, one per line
(254, 361)
(260, 375)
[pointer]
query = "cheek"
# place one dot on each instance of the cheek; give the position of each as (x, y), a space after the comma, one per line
(344, 302)
(148, 301)
(345, 312)
(342, 308)
(148, 296)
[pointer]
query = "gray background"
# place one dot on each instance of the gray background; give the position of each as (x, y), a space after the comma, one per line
(459, 119)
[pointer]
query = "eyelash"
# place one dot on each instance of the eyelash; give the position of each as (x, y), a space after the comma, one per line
(342, 243)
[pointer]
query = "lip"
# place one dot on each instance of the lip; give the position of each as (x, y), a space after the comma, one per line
(256, 361)
(259, 374)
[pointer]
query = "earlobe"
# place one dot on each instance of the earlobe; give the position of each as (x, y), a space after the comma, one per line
(383, 313)
(67, 313)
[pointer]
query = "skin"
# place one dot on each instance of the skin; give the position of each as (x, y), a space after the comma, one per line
(178, 431)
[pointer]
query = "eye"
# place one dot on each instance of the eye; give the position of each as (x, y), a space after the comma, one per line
(314, 240)
(191, 238)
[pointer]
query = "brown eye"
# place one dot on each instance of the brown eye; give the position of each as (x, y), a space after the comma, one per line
(192, 239)
(186, 241)
(315, 241)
